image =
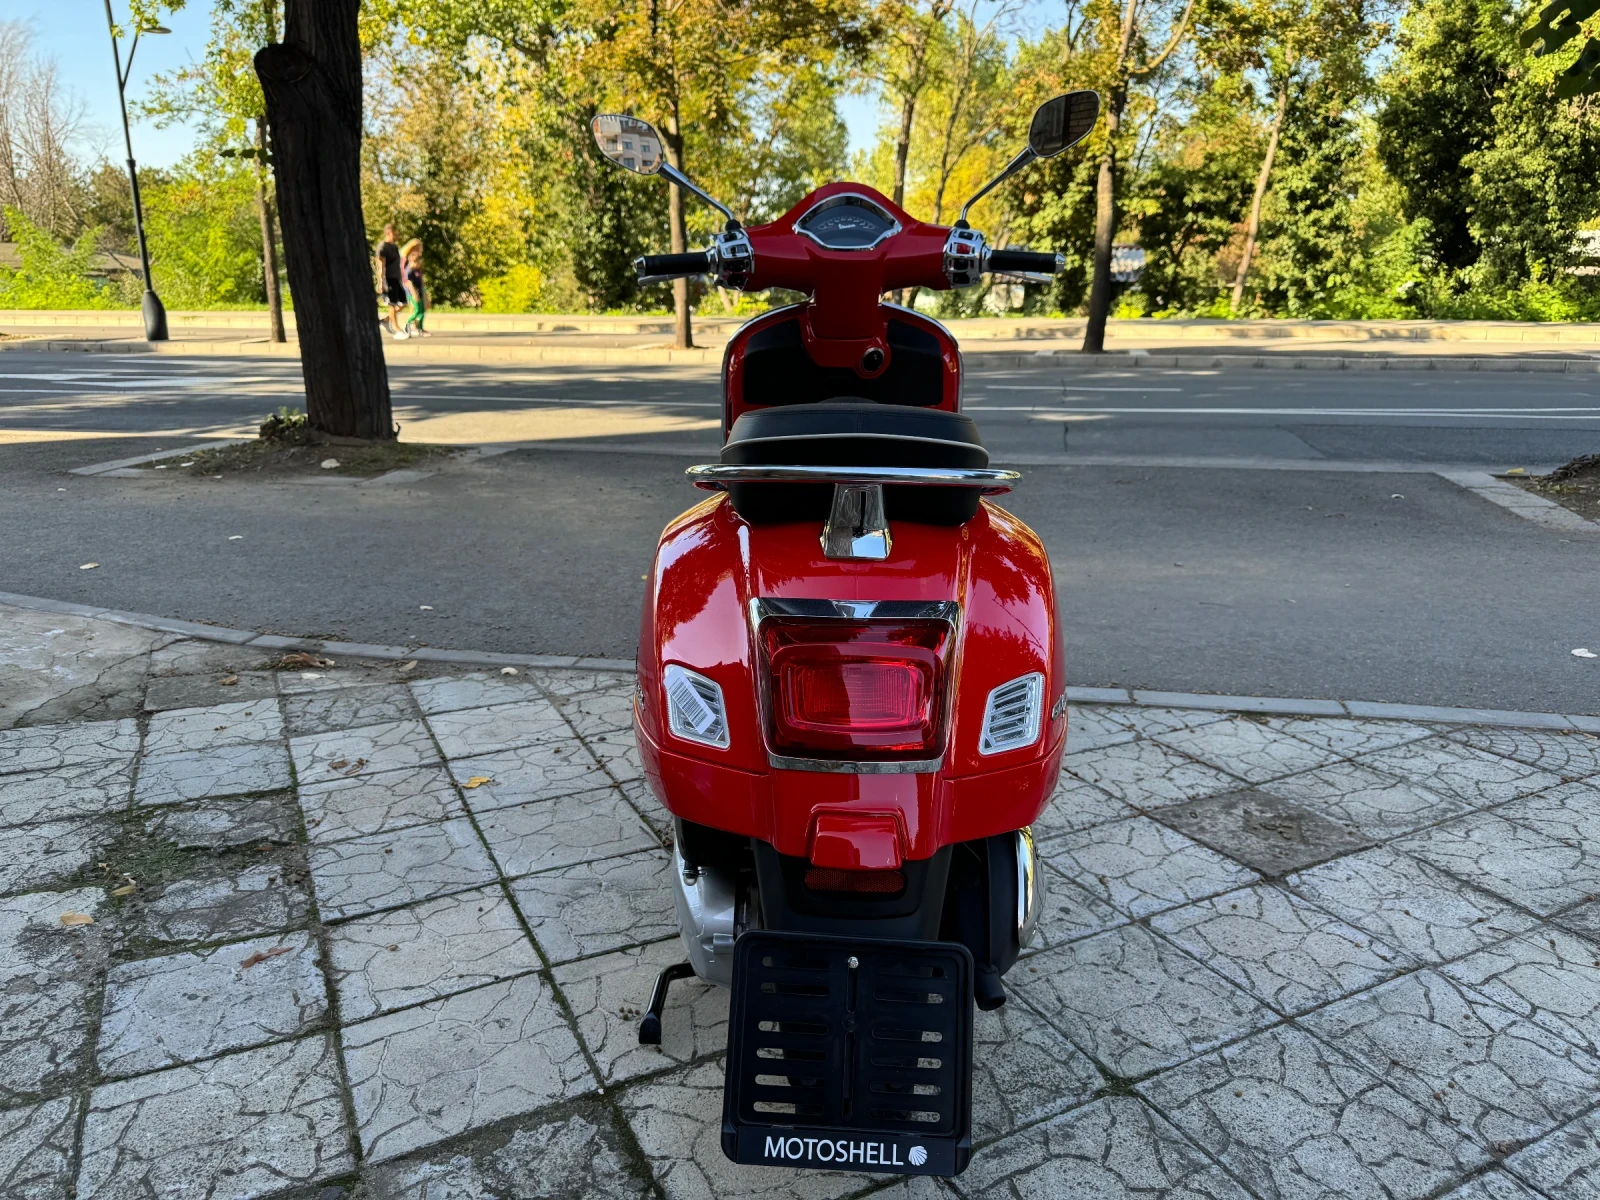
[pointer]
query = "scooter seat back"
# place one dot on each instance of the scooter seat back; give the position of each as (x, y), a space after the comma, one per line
(853, 433)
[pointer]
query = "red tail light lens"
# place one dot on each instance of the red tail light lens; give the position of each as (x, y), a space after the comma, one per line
(856, 689)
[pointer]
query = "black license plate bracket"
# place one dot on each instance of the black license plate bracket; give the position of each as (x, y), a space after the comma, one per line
(849, 1054)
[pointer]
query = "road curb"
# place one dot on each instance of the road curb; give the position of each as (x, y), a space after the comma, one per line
(976, 355)
(1135, 697)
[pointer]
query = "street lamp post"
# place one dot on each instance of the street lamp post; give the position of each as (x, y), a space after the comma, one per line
(155, 315)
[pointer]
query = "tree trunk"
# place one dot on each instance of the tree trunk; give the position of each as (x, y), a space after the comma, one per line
(678, 232)
(902, 149)
(269, 238)
(312, 84)
(1253, 225)
(1105, 230)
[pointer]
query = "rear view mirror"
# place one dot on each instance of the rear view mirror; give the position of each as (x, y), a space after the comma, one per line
(1063, 122)
(628, 142)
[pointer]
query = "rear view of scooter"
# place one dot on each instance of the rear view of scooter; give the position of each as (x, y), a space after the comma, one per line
(851, 689)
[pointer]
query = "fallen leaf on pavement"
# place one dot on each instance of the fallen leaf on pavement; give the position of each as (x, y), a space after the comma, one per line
(236, 537)
(477, 781)
(508, 670)
(356, 766)
(1582, 652)
(410, 666)
(301, 658)
(339, 764)
(129, 890)
(88, 566)
(261, 956)
(329, 464)
(72, 918)
(228, 681)
(425, 607)
(1517, 471)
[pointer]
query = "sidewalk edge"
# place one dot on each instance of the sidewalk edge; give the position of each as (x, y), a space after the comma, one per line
(1137, 697)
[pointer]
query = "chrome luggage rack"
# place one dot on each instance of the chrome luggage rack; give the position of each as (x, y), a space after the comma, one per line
(714, 477)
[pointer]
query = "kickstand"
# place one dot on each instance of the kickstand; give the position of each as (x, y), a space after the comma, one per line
(650, 1027)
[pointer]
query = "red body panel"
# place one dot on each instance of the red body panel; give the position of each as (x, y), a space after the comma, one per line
(709, 567)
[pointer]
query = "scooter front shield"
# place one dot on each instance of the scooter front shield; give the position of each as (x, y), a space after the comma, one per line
(849, 1054)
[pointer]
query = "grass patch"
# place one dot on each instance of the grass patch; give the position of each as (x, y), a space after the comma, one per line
(1574, 486)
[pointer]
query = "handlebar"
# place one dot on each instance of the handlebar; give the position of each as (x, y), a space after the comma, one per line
(655, 267)
(1031, 262)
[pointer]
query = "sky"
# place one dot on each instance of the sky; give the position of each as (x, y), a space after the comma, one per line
(73, 32)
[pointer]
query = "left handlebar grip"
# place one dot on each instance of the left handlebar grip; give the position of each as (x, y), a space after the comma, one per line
(672, 266)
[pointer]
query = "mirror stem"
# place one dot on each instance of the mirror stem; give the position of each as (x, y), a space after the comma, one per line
(676, 176)
(1025, 157)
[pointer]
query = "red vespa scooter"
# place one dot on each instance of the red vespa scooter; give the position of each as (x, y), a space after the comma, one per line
(851, 688)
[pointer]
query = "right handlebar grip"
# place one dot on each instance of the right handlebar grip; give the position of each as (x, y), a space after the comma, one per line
(1032, 261)
(695, 262)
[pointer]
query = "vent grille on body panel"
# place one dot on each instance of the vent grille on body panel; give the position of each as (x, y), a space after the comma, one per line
(1012, 717)
(695, 710)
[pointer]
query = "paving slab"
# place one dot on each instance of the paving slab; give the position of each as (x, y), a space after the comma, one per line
(1135, 1003)
(1501, 1079)
(198, 691)
(579, 1151)
(473, 690)
(1410, 904)
(259, 899)
(1147, 774)
(608, 994)
(348, 808)
(564, 831)
(1522, 865)
(36, 1150)
(162, 1012)
(1546, 975)
(465, 732)
(242, 1126)
(677, 1119)
(527, 774)
(46, 989)
(459, 1063)
(79, 791)
(1570, 813)
(57, 668)
(40, 855)
(1092, 729)
(1113, 1149)
(1449, 768)
(1147, 720)
(1584, 920)
(1347, 736)
(1368, 803)
(1024, 1071)
(1573, 755)
(347, 753)
(1068, 913)
(1076, 805)
(1296, 1120)
(592, 907)
(1270, 835)
(208, 774)
(1564, 1163)
(1285, 952)
(1141, 867)
(1494, 1185)
(227, 824)
(425, 951)
(229, 724)
(50, 747)
(309, 713)
(1248, 748)
(386, 870)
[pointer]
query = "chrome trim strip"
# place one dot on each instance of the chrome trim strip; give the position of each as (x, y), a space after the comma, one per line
(856, 526)
(715, 476)
(834, 202)
(885, 437)
(831, 766)
(948, 611)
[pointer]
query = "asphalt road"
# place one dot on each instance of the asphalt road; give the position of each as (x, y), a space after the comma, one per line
(1255, 532)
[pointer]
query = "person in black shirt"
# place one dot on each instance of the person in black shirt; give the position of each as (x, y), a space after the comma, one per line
(391, 285)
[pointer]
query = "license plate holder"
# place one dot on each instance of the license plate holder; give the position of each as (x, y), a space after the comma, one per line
(864, 1067)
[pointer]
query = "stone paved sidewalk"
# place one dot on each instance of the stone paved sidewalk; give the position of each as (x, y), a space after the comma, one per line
(351, 930)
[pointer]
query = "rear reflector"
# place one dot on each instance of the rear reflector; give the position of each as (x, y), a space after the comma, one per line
(856, 689)
(871, 883)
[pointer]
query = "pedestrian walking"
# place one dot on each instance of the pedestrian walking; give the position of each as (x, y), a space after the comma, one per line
(391, 282)
(411, 260)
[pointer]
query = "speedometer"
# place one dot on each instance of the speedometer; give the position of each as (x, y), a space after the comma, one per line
(847, 222)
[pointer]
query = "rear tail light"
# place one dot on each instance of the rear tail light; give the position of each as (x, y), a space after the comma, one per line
(1012, 717)
(856, 689)
(695, 709)
(865, 883)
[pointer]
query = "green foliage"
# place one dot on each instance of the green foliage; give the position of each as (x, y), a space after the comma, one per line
(519, 290)
(204, 236)
(52, 276)
(287, 427)
(1561, 26)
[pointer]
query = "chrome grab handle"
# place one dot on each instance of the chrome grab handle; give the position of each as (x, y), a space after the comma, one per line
(716, 476)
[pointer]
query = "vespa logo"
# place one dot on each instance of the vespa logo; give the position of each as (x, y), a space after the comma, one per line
(842, 1150)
